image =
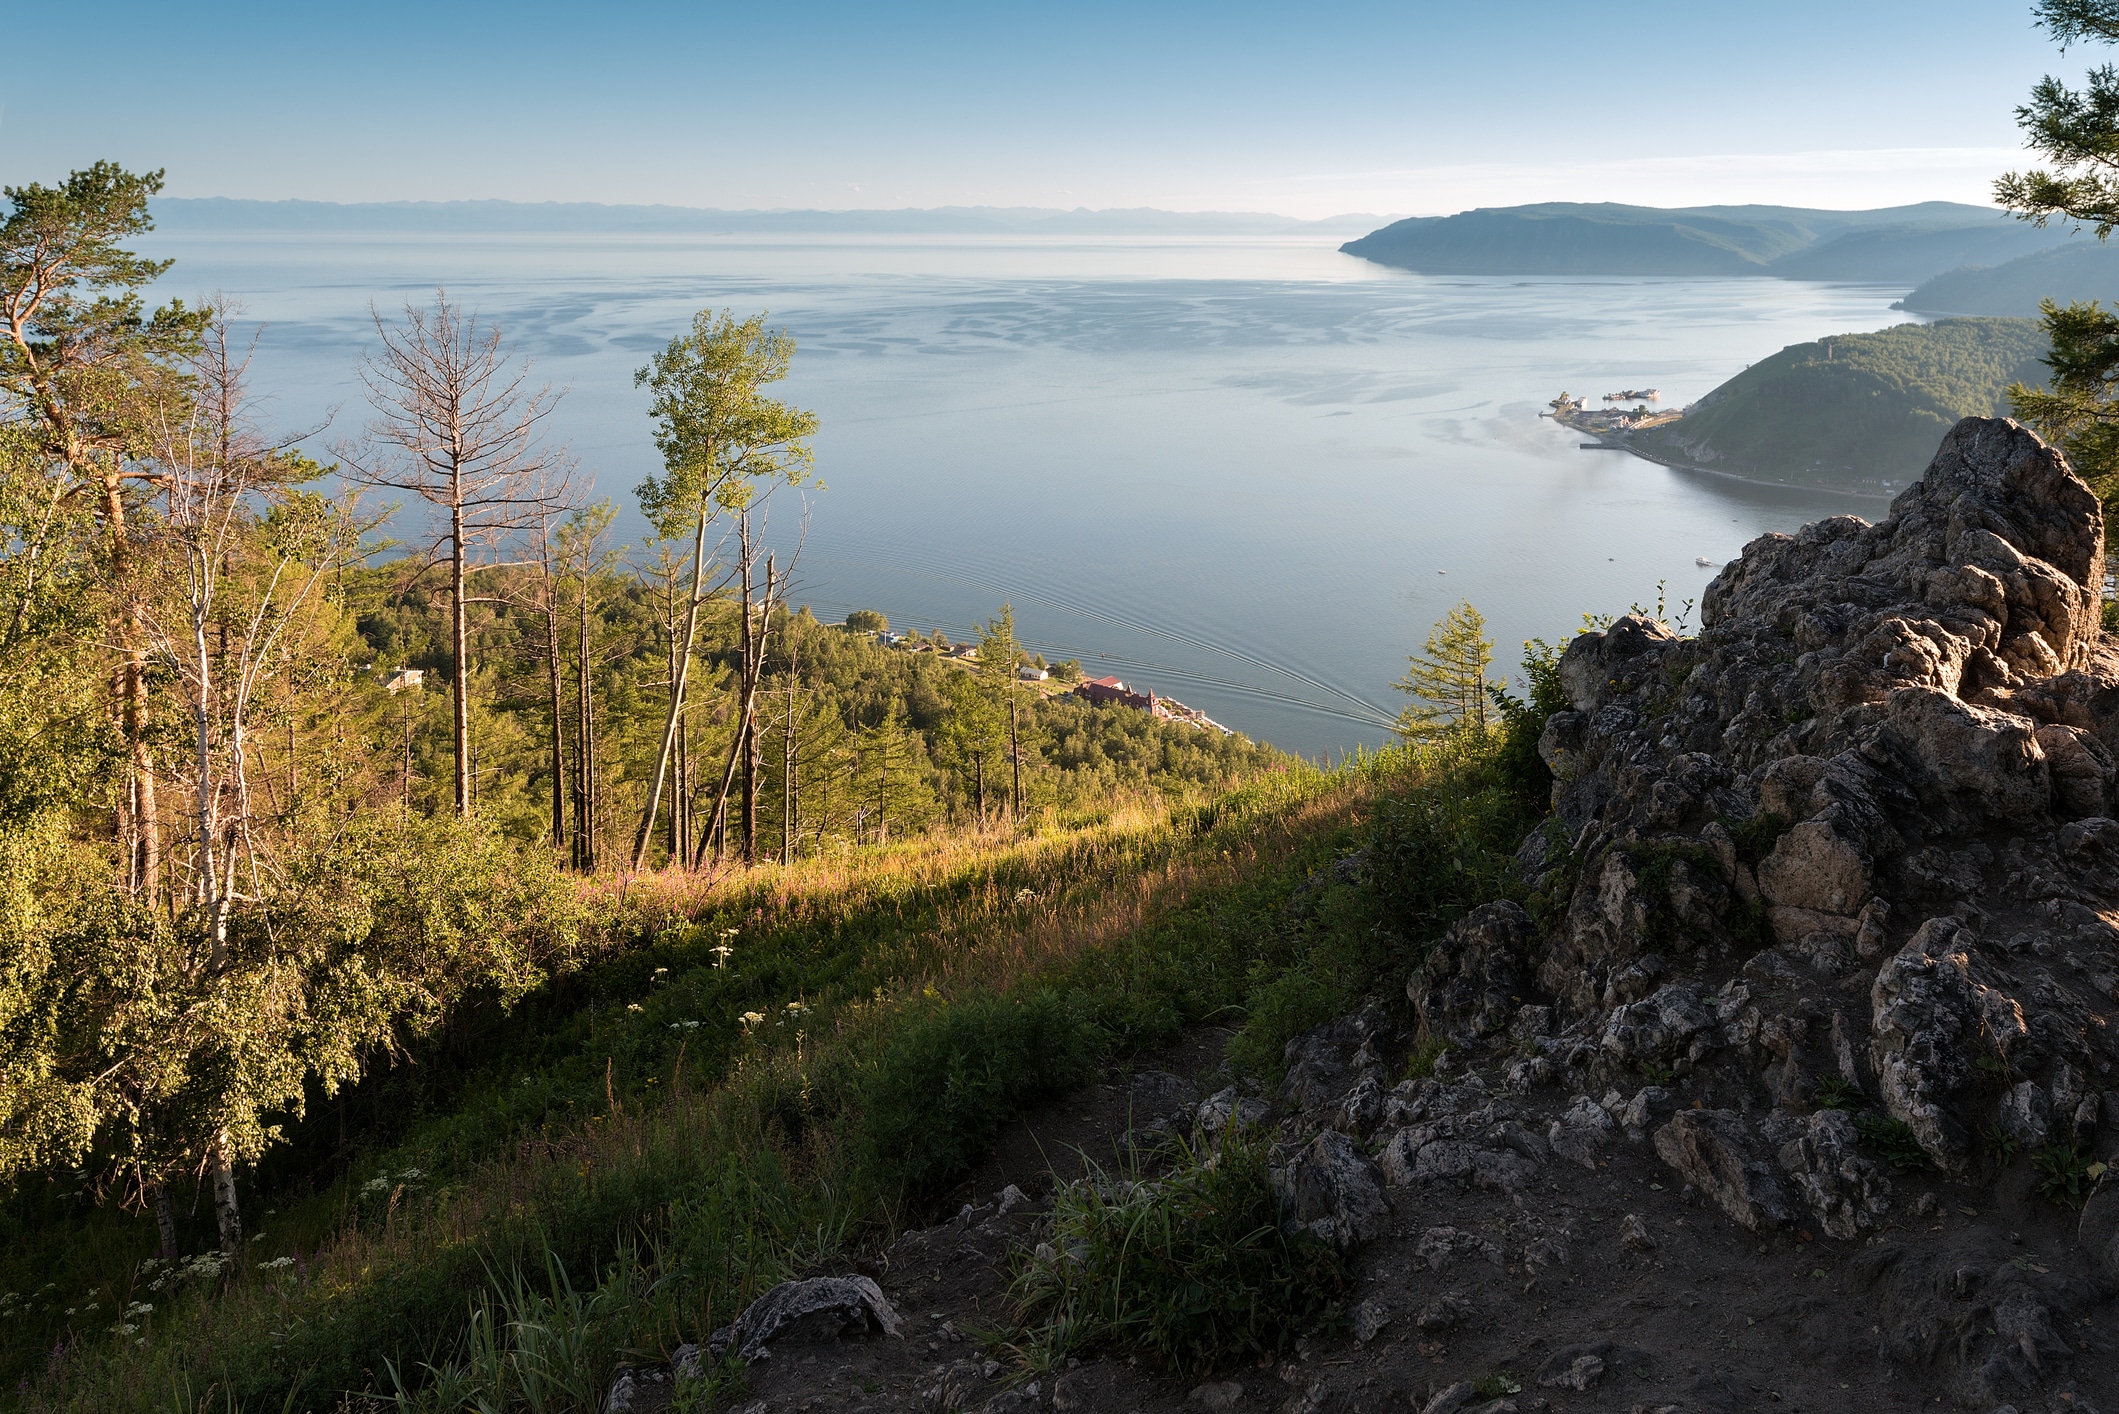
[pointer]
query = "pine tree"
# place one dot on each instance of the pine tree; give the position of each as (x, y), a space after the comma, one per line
(1447, 679)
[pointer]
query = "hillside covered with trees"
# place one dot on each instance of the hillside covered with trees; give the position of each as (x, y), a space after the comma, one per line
(2079, 271)
(1892, 245)
(1854, 411)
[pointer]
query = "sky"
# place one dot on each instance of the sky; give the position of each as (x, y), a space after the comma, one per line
(1403, 108)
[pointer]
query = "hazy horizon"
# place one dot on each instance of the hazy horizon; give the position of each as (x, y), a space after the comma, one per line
(1182, 107)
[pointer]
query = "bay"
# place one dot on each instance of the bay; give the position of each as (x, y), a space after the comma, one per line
(1245, 472)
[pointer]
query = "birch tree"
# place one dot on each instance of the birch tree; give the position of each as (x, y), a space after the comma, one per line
(723, 444)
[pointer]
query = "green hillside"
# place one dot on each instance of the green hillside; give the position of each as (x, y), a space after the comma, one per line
(2084, 270)
(1890, 245)
(1857, 411)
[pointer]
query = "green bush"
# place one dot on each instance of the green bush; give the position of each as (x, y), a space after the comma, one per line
(1833, 1093)
(1280, 1009)
(932, 1103)
(1195, 1268)
(2066, 1177)
(1894, 1142)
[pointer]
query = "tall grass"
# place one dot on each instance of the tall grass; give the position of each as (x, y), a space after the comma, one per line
(937, 989)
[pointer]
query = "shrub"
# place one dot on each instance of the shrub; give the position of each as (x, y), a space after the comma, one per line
(1280, 1010)
(1833, 1093)
(2065, 1177)
(1894, 1142)
(932, 1103)
(1195, 1268)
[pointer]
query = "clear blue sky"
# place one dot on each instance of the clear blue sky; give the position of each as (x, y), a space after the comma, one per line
(1308, 110)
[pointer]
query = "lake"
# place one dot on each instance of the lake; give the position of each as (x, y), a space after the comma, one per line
(1247, 473)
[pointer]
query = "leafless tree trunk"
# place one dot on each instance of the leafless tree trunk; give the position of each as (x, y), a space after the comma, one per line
(743, 749)
(225, 1211)
(551, 662)
(679, 681)
(789, 805)
(165, 1221)
(1015, 758)
(458, 426)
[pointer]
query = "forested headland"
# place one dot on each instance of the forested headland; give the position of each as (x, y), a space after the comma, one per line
(1891, 245)
(1856, 412)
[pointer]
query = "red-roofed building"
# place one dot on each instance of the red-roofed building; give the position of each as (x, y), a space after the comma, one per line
(1101, 690)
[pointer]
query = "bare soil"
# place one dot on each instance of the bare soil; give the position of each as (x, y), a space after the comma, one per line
(1618, 1278)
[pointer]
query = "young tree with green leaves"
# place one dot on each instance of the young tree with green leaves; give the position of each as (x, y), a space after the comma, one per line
(723, 443)
(1000, 656)
(974, 735)
(1447, 679)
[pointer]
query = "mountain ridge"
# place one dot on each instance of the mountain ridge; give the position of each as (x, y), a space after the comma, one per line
(182, 215)
(1886, 245)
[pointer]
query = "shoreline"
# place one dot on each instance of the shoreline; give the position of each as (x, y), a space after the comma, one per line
(1647, 456)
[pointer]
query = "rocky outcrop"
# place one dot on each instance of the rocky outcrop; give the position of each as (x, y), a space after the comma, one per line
(1837, 878)
(1885, 764)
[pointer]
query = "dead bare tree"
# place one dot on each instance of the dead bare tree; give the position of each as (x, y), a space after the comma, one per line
(459, 426)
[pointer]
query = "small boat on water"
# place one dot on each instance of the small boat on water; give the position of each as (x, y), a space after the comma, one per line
(1703, 560)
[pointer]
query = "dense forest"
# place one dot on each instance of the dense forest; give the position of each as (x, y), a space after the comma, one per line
(1855, 411)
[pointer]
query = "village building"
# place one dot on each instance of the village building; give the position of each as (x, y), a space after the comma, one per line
(1102, 690)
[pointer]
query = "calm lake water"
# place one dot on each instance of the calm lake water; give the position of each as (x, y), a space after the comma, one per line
(1246, 473)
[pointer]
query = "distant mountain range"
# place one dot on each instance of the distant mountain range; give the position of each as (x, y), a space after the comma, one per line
(185, 215)
(1892, 245)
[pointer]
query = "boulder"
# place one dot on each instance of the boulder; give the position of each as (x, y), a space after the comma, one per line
(1718, 1153)
(818, 1309)
(1336, 1191)
(1821, 1157)
(1475, 977)
(1932, 1018)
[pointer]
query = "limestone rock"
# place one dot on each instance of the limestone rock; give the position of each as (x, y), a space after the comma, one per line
(1931, 1016)
(1229, 1107)
(1821, 1156)
(1718, 1153)
(1336, 1191)
(820, 1308)
(1476, 976)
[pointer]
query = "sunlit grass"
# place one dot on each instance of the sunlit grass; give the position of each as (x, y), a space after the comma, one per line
(730, 1155)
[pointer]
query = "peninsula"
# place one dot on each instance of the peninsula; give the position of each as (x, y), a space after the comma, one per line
(1853, 412)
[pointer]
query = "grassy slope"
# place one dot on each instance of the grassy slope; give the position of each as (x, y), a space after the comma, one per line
(1855, 410)
(946, 985)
